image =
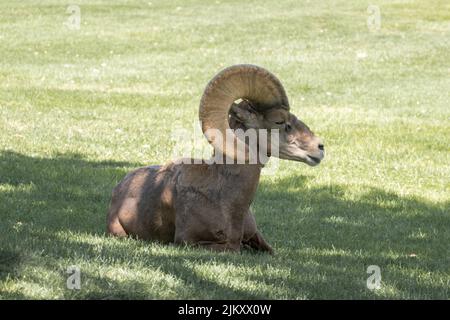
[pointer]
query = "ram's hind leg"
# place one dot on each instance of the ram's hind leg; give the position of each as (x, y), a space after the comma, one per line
(113, 225)
(252, 237)
(116, 229)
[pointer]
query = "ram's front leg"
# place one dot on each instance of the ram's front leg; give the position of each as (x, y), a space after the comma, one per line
(209, 227)
(213, 243)
(220, 247)
(251, 235)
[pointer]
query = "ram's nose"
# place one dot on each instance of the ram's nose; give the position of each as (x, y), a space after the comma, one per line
(320, 154)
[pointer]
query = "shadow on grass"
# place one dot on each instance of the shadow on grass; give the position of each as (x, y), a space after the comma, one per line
(325, 237)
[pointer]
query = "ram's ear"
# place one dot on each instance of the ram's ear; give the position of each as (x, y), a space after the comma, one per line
(244, 113)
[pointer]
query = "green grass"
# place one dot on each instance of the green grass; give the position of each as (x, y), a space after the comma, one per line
(81, 108)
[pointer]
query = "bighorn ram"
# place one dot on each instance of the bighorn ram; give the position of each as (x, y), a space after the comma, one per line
(208, 204)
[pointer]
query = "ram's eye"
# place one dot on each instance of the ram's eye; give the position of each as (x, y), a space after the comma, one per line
(279, 122)
(288, 127)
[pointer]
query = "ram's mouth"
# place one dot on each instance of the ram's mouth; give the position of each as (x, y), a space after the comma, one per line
(313, 160)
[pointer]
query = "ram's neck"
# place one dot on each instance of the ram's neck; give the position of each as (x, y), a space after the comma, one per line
(243, 178)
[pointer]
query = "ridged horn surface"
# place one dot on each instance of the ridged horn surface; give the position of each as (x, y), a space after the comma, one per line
(244, 81)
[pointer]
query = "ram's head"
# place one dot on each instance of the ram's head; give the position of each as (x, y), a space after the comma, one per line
(250, 97)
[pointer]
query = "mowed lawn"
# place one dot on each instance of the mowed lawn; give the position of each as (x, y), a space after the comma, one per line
(81, 108)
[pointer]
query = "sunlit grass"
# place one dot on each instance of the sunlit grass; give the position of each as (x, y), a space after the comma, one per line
(81, 108)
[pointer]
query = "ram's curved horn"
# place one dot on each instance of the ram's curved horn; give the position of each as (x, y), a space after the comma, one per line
(249, 82)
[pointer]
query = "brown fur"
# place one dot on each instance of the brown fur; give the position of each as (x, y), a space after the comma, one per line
(194, 204)
(206, 204)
